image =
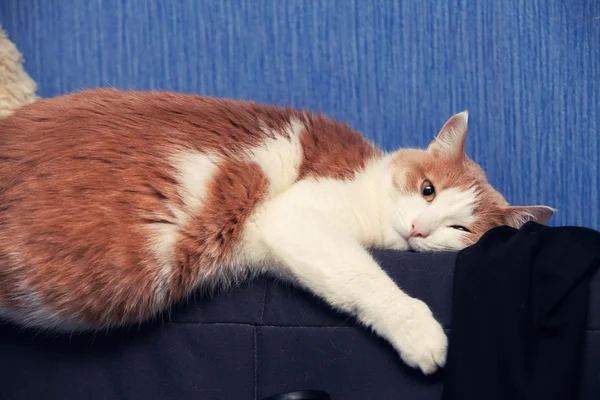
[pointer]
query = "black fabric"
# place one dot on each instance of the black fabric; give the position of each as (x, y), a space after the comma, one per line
(519, 313)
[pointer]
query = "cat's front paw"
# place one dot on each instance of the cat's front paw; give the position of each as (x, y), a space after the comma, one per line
(421, 340)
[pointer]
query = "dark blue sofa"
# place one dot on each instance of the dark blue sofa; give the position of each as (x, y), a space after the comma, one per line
(249, 343)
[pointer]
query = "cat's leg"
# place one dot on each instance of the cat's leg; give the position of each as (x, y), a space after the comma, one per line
(338, 269)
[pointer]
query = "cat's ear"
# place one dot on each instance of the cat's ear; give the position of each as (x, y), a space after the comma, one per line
(517, 216)
(451, 139)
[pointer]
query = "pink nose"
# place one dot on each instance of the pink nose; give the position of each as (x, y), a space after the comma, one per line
(414, 232)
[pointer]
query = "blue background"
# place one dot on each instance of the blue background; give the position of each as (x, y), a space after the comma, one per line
(528, 71)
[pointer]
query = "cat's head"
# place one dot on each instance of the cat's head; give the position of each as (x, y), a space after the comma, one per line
(442, 199)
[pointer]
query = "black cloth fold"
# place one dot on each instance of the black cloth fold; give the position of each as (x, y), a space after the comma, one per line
(519, 313)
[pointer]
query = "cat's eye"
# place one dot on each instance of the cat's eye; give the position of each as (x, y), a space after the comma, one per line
(460, 228)
(427, 190)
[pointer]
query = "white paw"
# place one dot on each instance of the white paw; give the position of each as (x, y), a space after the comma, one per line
(421, 340)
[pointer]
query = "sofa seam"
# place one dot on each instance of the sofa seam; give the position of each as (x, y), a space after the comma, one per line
(264, 302)
(255, 362)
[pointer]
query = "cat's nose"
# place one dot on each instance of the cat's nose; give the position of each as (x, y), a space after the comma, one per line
(415, 232)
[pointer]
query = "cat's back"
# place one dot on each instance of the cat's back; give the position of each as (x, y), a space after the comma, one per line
(110, 138)
(126, 129)
(143, 118)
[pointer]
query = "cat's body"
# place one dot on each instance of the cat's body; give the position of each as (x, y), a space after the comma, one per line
(115, 205)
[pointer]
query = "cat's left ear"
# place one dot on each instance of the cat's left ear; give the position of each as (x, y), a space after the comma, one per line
(517, 216)
(451, 139)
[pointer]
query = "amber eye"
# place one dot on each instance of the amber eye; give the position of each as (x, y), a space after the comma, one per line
(460, 228)
(427, 190)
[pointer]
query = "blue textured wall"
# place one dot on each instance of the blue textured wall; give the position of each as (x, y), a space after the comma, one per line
(528, 71)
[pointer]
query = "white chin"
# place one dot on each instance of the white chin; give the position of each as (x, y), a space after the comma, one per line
(399, 245)
(421, 245)
(416, 246)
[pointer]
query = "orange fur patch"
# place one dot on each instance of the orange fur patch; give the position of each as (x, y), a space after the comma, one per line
(333, 150)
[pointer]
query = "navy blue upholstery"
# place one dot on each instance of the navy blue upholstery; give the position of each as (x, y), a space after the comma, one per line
(251, 342)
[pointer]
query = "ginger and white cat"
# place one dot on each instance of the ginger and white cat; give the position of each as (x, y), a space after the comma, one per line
(115, 205)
